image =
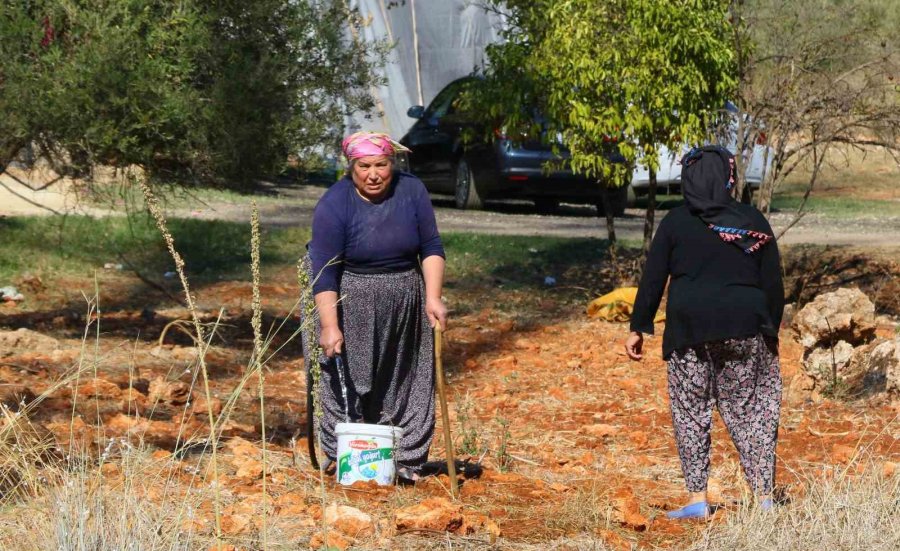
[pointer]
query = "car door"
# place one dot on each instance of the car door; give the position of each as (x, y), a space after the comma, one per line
(432, 138)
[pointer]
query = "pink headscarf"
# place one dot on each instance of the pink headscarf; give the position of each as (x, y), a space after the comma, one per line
(368, 144)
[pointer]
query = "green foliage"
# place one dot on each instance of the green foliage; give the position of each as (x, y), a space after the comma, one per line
(644, 73)
(283, 77)
(501, 452)
(840, 207)
(220, 90)
(78, 245)
(109, 82)
(468, 437)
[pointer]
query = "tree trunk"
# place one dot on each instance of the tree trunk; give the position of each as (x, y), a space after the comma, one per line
(764, 201)
(818, 157)
(648, 218)
(740, 145)
(608, 211)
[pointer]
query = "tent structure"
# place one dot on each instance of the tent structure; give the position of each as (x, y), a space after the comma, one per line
(435, 42)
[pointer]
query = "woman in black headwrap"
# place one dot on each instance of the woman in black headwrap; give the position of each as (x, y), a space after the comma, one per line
(722, 316)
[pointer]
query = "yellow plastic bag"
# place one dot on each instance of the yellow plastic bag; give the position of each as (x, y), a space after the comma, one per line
(617, 306)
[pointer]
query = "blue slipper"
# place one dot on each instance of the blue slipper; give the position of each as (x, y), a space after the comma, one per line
(694, 510)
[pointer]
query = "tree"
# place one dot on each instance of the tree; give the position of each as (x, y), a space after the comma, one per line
(287, 75)
(107, 84)
(219, 91)
(650, 72)
(514, 91)
(815, 75)
(642, 73)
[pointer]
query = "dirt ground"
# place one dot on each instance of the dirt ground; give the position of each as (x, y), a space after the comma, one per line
(563, 441)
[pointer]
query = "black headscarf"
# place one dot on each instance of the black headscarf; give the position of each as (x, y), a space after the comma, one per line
(707, 177)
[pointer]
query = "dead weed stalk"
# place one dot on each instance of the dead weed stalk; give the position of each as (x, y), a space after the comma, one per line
(256, 323)
(308, 314)
(159, 217)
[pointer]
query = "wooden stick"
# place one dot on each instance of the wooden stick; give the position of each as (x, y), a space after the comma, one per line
(445, 415)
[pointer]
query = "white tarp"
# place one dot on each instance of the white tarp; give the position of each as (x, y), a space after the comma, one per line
(449, 36)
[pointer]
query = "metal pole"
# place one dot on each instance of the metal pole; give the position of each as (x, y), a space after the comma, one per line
(412, 5)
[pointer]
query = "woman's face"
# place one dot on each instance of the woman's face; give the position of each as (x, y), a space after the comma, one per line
(372, 176)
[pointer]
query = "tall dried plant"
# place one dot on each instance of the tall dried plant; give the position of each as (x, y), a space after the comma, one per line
(309, 313)
(256, 323)
(153, 206)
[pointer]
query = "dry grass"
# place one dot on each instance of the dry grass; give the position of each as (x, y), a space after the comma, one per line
(122, 496)
(23, 451)
(131, 502)
(137, 500)
(836, 511)
(870, 173)
(85, 511)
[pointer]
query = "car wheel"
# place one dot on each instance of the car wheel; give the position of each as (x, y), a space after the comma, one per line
(546, 205)
(617, 200)
(466, 192)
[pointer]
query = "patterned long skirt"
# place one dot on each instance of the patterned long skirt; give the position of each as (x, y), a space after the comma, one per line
(388, 361)
(741, 376)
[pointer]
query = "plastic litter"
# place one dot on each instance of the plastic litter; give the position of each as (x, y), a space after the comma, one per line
(169, 275)
(112, 266)
(617, 305)
(11, 293)
(549, 281)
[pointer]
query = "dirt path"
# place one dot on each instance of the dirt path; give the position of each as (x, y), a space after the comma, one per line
(519, 218)
(294, 206)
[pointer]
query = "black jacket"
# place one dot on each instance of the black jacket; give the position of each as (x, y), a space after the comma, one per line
(717, 290)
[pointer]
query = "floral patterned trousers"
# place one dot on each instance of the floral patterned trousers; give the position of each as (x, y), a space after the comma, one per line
(741, 376)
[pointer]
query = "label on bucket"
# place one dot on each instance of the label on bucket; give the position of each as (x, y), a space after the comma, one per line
(365, 461)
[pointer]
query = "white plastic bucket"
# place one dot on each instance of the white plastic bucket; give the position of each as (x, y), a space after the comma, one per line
(366, 452)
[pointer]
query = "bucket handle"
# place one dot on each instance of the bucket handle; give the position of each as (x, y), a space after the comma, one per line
(339, 364)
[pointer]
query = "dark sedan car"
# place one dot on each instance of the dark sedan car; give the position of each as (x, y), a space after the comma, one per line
(477, 170)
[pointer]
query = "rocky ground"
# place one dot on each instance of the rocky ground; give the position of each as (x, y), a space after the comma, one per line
(568, 443)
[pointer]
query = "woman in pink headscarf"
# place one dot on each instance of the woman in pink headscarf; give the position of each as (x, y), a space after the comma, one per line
(376, 247)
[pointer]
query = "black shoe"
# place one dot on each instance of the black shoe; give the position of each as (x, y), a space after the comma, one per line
(407, 476)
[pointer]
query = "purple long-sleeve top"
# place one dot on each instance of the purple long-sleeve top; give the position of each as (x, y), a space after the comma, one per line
(350, 233)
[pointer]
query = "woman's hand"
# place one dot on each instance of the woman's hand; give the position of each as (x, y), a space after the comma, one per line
(436, 312)
(433, 273)
(331, 340)
(634, 344)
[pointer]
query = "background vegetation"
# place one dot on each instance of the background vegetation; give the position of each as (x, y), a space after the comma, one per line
(217, 92)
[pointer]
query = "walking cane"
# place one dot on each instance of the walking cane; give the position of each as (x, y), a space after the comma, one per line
(445, 416)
